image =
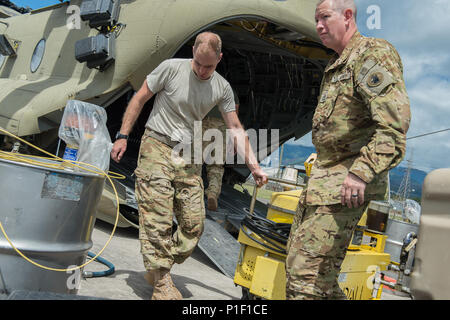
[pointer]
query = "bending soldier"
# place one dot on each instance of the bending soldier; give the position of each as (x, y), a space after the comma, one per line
(187, 89)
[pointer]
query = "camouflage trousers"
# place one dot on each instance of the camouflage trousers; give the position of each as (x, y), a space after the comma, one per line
(214, 174)
(166, 186)
(214, 171)
(316, 249)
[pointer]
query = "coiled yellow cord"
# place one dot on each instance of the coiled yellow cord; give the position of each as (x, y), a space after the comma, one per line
(64, 164)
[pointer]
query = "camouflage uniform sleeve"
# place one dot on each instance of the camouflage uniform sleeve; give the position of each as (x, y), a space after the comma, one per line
(379, 81)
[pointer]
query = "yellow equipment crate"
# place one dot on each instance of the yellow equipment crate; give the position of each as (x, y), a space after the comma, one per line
(252, 270)
(261, 268)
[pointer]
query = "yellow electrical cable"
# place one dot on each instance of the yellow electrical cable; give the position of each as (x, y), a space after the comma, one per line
(17, 156)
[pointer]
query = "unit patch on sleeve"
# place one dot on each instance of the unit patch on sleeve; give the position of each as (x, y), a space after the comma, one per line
(377, 79)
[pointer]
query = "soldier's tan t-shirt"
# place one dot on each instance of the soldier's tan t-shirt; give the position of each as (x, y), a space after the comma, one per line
(182, 98)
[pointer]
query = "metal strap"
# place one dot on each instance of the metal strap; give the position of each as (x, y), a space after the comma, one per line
(162, 138)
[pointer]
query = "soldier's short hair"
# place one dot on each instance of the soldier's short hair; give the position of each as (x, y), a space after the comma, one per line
(341, 5)
(211, 39)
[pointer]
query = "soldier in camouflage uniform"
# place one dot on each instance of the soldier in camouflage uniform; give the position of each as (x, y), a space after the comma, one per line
(359, 131)
(214, 171)
(166, 184)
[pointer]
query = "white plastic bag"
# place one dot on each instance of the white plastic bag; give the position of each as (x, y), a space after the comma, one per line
(413, 211)
(83, 127)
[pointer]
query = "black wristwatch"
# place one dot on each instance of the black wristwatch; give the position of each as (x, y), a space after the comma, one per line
(121, 136)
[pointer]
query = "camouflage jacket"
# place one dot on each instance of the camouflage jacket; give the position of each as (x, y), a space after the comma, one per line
(361, 120)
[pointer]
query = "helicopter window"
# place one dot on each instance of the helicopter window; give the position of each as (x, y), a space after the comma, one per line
(38, 54)
(2, 60)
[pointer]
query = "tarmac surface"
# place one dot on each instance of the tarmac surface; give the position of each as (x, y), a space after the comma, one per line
(197, 278)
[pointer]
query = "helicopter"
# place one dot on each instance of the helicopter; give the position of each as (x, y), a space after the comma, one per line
(100, 51)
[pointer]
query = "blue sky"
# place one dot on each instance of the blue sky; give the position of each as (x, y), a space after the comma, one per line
(34, 4)
(419, 31)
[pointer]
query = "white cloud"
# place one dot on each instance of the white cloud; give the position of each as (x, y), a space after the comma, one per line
(434, 95)
(428, 155)
(426, 22)
(418, 66)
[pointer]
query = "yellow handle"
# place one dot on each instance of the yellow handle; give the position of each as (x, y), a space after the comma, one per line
(309, 163)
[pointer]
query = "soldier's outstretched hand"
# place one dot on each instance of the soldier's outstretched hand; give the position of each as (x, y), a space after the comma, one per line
(260, 177)
(118, 149)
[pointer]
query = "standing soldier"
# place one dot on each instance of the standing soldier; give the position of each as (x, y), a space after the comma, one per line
(187, 89)
(214, 171)
(359, 131)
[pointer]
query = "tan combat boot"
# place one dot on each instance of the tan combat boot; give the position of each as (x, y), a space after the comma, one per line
(163, 287)
(212, 203)
(149, 277)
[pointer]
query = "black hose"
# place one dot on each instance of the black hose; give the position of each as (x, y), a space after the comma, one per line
(268, 230)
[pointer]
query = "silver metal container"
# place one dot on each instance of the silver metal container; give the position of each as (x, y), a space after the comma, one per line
(48, 215)
(396, 230)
